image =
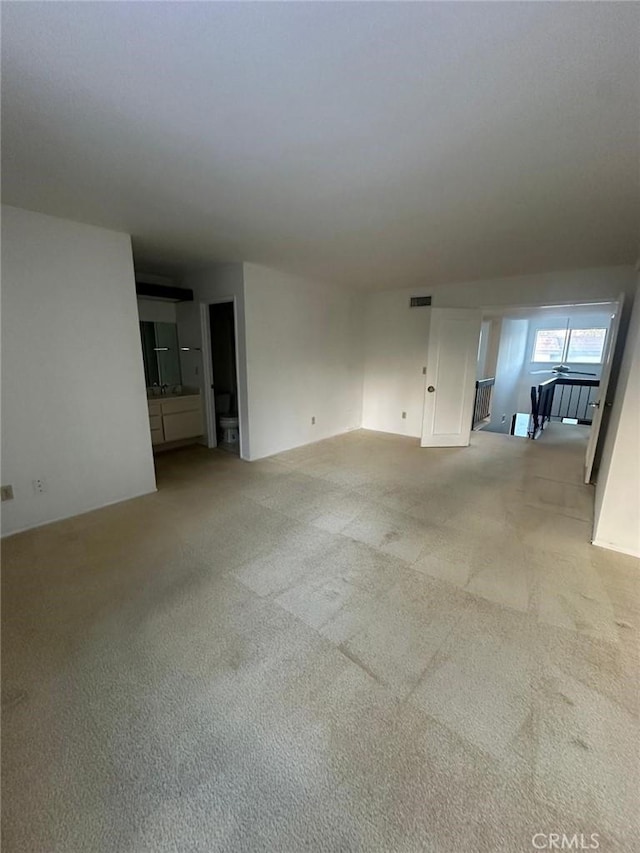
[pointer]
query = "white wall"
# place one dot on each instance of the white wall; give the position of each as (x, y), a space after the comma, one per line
(299, 354)
(73, 395)
(511, 355)
(485, 336)
(617, 509)
(396, 337)
(218, 281)
(303, 360)
(572, 286)
(156, 310)
(493, 346)
(395, 353)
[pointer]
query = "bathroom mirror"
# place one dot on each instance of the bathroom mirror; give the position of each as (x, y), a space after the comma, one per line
(161, 353)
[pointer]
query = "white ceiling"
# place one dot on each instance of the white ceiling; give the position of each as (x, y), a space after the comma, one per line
(374, 144)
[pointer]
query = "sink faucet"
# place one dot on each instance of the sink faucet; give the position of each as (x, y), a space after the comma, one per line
(163, 388)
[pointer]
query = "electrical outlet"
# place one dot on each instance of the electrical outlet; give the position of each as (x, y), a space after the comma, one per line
(39, 486)
(7, 493)
(404, 416)
(313, 420)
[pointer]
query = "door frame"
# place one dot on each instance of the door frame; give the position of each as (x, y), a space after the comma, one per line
(604, 395)
(618, 301)
(207, 371)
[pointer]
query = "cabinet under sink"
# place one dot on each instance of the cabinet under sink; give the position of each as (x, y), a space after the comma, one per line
(176, 418)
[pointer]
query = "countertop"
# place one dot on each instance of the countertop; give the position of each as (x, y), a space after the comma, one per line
(172, 395)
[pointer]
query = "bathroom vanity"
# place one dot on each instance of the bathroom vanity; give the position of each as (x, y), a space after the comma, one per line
(175, 418)
(175, 411)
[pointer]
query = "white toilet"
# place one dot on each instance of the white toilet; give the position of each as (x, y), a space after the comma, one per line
(227, 421)
(229, 427)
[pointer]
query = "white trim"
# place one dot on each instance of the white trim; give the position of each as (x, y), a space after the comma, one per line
(239, 388)
(207, 371)
(317, 441)
(76, 514)
(207, 376)
(610, 547)
(499, 310)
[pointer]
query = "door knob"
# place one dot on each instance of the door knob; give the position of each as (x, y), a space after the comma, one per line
(595, 404)
(431, 389)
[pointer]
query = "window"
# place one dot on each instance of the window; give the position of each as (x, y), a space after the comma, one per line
(549, 345)
(575, 346)
(585, 346)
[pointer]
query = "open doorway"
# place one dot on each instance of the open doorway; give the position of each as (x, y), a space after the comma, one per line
(543, 372)
(224, 376)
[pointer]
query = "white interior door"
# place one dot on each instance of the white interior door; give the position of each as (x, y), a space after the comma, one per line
(452, 357)
(600, 402)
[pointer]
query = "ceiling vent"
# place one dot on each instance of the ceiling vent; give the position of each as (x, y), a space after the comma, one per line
(419, 301)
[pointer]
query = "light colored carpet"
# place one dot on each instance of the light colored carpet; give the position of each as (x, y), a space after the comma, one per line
(354, 646)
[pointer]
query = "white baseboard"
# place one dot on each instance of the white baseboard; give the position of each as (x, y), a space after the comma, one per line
(75, 514)
(610, 547)
(302, 444)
